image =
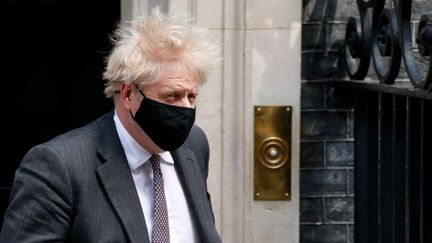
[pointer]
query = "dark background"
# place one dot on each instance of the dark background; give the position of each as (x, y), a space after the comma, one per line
(52, 61)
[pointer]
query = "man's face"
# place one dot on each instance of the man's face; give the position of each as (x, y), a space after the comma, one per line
(176, 86)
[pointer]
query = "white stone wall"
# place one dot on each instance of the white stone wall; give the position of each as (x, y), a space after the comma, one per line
(260, 43)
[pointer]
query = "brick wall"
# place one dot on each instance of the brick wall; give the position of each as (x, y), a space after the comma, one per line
(326, 162)
(326, 169)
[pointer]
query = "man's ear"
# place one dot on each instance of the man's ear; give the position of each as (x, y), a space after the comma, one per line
(125, 95)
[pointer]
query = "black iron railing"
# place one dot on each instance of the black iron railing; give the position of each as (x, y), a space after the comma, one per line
(393, 132)
(384, 33)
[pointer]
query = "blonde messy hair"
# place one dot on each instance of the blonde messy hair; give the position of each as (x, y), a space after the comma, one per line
(145, 45)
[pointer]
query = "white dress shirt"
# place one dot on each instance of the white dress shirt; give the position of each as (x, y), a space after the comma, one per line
(181, 224)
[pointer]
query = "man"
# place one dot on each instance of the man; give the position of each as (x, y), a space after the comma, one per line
(137, 174)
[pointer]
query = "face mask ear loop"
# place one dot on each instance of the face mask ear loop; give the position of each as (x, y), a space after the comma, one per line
(136, 86)
(130, 112)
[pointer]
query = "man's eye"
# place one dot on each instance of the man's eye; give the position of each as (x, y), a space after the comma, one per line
(191, 97)
(172, 95)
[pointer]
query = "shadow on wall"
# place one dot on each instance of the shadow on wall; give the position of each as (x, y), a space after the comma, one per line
(271, 69)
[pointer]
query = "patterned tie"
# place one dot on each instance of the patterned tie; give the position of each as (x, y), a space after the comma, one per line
(161, 224)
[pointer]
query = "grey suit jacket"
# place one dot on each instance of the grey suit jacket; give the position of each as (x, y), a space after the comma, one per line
(78, 188)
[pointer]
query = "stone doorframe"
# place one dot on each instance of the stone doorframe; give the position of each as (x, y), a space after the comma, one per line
(261, 51)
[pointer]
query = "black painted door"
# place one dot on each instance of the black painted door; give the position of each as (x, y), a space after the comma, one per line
(52, 60)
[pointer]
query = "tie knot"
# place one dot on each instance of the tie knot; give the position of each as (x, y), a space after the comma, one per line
(154, 159)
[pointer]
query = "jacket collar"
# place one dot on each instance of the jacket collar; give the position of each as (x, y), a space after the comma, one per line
(116, 179)
(196, 191)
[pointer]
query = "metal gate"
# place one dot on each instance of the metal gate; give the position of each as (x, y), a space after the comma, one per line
(393, 120)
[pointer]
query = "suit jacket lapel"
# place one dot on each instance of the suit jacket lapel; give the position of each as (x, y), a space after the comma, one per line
(118, 183)
(195, 190)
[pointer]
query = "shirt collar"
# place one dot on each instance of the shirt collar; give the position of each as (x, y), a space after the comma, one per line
(136, 155)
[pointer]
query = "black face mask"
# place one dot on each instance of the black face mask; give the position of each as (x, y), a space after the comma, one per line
(167, 125)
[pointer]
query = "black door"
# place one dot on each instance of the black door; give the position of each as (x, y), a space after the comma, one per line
(52, 60)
